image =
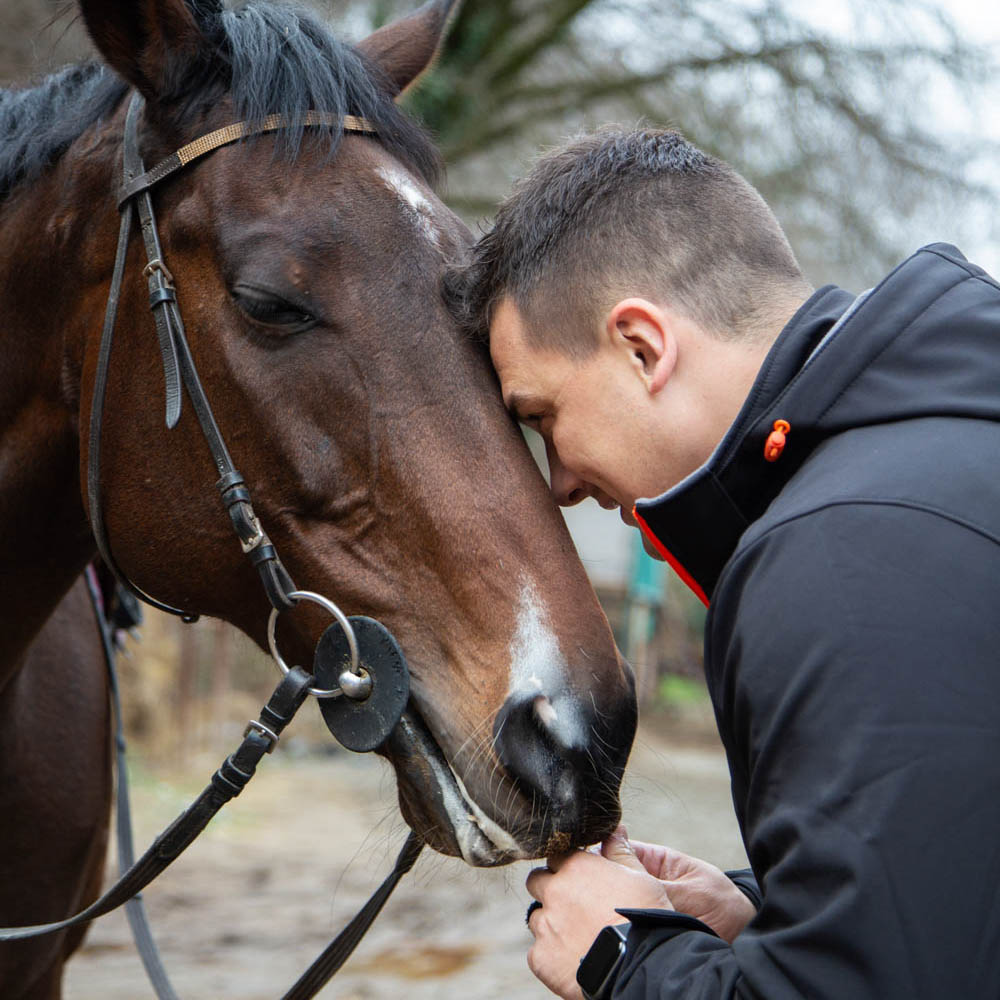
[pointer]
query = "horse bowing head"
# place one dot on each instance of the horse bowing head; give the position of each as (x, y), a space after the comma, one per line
(369, 430)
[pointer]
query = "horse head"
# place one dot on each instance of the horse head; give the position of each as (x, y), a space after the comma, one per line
(371, 433)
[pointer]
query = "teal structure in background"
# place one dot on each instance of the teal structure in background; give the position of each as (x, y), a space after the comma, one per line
(647, 578)
(645, 594)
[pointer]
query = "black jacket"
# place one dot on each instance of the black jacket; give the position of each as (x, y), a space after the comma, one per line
(852, 652)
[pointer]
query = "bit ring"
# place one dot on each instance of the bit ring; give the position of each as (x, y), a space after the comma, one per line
(341, 618)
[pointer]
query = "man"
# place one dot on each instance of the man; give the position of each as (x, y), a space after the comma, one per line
(825, 474)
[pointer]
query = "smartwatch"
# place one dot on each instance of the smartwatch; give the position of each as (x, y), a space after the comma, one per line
(599, 967)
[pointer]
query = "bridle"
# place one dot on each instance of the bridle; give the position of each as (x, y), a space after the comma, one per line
(179, 369)
(353, 682)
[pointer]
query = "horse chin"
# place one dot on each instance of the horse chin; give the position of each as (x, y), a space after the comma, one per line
(437, 806)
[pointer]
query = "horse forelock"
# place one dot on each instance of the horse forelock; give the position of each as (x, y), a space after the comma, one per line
(280, 59)
(265, 57)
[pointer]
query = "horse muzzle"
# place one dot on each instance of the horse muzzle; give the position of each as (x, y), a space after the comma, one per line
(567, 759)
(550, 783)
(435, 803)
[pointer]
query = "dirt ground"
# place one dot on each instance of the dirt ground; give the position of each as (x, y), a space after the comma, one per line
(283, 867)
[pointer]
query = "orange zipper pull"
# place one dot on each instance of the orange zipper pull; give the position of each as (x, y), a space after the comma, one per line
(775, 443)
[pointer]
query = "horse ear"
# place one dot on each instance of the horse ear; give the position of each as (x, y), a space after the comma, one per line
(405, 48)
(143, 40)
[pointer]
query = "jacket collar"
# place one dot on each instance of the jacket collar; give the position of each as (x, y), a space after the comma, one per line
(697, 524)
(922, 343)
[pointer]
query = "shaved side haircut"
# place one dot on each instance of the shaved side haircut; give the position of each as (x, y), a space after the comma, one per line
(616, 214)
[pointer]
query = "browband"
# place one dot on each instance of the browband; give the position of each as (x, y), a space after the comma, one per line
(233, 133)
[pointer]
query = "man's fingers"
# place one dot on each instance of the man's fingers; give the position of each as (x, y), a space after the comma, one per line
(617, 848)
(653, 857)
(536, 881)
(664, 862)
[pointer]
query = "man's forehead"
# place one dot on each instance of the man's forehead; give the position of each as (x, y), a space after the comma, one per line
(518, 365)
(507, 331)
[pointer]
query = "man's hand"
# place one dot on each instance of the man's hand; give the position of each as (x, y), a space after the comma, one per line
(697, 888)
(580, 892)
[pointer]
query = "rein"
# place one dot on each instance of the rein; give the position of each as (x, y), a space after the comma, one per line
(229, 780)
(367, 680)
(135, 908)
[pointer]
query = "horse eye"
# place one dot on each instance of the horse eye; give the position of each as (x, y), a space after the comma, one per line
(267, 309)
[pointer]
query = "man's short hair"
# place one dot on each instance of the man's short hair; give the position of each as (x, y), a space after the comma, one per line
(618, 213)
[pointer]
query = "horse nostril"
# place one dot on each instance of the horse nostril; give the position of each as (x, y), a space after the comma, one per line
(542, 746)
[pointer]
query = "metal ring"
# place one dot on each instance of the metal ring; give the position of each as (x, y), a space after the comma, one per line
(352, 642)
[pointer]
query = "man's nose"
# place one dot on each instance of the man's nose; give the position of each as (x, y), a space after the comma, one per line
(567, 488)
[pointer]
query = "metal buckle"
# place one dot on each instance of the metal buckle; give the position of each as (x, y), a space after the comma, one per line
(251, 543)
(253, 726)
(157, 265)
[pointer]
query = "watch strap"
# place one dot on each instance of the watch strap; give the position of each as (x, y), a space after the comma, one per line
(600, 966)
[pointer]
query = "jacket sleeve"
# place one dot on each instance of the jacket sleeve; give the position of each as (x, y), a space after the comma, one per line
(745, 880)
(854, 662)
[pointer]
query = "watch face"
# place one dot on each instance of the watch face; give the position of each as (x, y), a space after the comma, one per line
(600, 963)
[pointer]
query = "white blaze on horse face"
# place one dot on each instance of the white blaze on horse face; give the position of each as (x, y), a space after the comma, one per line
(418, 206)
(539, 671)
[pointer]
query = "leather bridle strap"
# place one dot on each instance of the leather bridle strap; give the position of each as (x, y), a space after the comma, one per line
(230, 134)
(236, 771)
(135, 909)
(96, 420)
(178, 365)
(226, 784)
(339, 950)
(179, 369)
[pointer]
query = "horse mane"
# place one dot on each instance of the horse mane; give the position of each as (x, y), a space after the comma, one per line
(38, 124)
(268, 57)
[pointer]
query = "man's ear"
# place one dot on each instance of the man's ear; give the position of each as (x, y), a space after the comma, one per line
(645, 333)
(404, 49)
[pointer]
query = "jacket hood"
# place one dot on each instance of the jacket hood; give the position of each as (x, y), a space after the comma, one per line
(924, 342)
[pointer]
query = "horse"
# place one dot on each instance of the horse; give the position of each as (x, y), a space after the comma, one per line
(307, 264)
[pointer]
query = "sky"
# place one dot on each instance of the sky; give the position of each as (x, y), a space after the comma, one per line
(979, 21)
(941, 106)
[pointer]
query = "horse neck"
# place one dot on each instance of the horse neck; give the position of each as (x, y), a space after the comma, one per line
(54, 259)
